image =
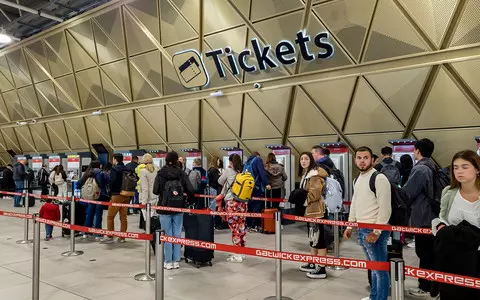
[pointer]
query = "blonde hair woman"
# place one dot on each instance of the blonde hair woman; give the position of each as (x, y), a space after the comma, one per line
(147, 180)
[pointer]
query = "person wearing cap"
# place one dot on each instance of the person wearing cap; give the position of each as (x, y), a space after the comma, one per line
(147, 176)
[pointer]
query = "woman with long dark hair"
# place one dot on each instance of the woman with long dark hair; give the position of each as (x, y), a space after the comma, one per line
(406, 163)
(60, 180)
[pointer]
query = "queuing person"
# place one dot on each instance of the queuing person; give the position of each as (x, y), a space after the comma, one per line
(420, 189)
(42, 179)
(19, 174)
(51, 179)
(276, 178)
(116, 177)
(168, 179)
(182, 161)
(213, 174)
(94, 214)
(323, 160)
(389, 167)
(131, 167)
(313, 181)
(236, 223)
(406, 163)
(60, 181)
(457, 241)
(198, 178)
(8, 178)
(147, 180)
(255, 166)
(139, 168)
(2, 181)
(49, 211)
(373, 208)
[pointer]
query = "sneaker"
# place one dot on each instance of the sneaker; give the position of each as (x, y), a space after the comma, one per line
(176, 265)
(168, 266)
(366, 298)
(84, 236)
(418, 292)
(319, 273)
(411, 245)
(107, 240)
(237, 258)
(307, 268)
(121, 240)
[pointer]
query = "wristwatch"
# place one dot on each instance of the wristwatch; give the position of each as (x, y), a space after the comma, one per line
(377, 232)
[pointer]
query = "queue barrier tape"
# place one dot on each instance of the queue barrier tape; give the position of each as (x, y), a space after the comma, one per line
(213, 213)
(15, 215)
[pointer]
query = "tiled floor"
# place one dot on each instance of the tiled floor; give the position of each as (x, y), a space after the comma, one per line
(105, 272)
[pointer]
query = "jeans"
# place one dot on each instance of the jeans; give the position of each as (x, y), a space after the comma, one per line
(135, 200)
(212, 204)
(424, 248)
(376, 252)
(94, 212)
(48, 230)
(19, 186)
(172, 224)
(255, 206)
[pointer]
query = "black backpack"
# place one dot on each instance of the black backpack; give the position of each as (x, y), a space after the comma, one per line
(399, 199)
(42, 177)
(440, 181)
(172, 195)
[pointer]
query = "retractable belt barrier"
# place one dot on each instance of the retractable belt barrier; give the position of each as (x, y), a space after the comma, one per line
(15, 215)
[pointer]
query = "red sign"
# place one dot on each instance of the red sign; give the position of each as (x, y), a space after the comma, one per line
(281, 152)
(404, 148)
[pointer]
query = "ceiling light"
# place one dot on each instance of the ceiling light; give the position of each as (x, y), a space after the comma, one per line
(5, 39)
(97, 113)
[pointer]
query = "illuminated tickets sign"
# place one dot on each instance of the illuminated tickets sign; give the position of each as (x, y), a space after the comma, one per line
(73, 162)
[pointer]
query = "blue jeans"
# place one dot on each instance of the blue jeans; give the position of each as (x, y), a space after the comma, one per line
(135, 200)
(48, 230)
(94, 212)
(172, 224)
(212, 204)
(19, 186)
(376, 252)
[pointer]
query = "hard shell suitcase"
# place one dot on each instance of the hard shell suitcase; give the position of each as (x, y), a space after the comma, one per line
(80, 211)
(198, 227)
(268, 225)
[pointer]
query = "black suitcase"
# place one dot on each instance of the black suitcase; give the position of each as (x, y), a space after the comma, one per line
(31, 200)
(198, 227)
(154, 226)
(80, 214)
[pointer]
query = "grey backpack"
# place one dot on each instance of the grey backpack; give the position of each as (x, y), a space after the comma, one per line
(391, 172)
(195, 178)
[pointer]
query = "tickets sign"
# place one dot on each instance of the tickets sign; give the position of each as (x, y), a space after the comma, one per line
(73, 162)
(53, 161)
(37, 162)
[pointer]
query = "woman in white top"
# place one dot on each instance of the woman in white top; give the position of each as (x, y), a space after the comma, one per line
(60, 180)
(147, 180)
(460, 202)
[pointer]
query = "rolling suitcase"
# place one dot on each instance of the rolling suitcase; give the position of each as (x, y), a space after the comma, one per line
(198, 227)
(80, 211)
(268, 225)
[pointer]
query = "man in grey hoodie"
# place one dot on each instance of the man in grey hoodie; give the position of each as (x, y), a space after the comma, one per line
(420, 189)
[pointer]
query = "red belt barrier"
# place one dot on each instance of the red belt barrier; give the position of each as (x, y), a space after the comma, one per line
(454, 279)
(359, 225)
(128, 235)
(253, 198)
(304, 258)
(11, 193)
(213, 213)
(139, 206)
(15, 215)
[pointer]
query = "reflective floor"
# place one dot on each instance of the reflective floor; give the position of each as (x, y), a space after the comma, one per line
(105, 272)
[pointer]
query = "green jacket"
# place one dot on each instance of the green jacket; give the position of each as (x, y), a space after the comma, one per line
(448, 195)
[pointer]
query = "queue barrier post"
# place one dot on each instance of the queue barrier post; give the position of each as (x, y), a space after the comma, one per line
(278, 262)
(36, 259)
(147, 276)
(72, 251)
(336, 243)
(159, 268)
(27, 211)
(397, 278)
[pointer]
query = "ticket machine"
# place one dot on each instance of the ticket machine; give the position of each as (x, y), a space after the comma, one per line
(53, 161)
(192, 155)
(75, 162)
(230, 151)
(37, 163)
(402, 147)
(477, 138)
(128, 155)
(343, 161)
(287, 159)
(158, 157)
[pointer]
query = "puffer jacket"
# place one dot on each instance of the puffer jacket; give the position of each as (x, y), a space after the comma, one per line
(147, 180)
(314, 183)
(226, 180)
(276, 175)
(419, 189)
(167, 173)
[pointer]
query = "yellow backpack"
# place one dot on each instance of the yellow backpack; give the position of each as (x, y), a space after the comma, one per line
(242, 187)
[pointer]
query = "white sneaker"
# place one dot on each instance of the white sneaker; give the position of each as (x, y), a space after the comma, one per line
(107, 240)
(168, 266)
(418, 292)
(411, 245)
(176, 265)
(237, 258)
(366, 298)
(121, 241)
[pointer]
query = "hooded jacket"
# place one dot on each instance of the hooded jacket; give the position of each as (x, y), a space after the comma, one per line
(167, 173)
(147, 180)
(276, 175)
(314, 183)
(19, 172)
(258, 172)
(325, 163)
(419, 189)
(116, 178)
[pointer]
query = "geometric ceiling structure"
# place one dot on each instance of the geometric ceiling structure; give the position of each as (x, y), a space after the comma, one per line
(398, 69)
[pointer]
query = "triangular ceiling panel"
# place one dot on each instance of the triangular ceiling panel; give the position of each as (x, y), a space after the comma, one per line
(274, 104)
(400, 89)
(230, 108)
(349, 20)
(375, 141)
(47, 98)
(68, 102)
(151, 128)
(259, 145)
(111, 23)
(28, 99)
(118, 72)
(333, 97)
(98, 130)
(306, 143)
(431, 16)
(123, 129)
(91, 92)
(10, 139)
(213, 148)
(146, 11)
(84, 36)
(177, 131)
(13, 106)
(36, 50)
(81, 59)
(368, 113)
(4, 116)
(149, 66)
(18, 67)
(243, 6)
(40, 137)
(188, 112)
(174, 28)
(5, 70)
(58, 55)
(306, 120)
(58, 135)
(137, 41)
(445, 98)
(77, 135)
(254, 123)
(468, 29)
(262, 9)
(5, 84)
(392, 34)
(25, 139)
(112, 94)
(107, 50)
(449, 142)
(469, 72)
(213, 128)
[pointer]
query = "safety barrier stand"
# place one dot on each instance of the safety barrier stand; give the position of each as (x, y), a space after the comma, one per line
(278, 262)
(36, 259)
(159, 271)
(25, 229)
(397, 278)
(147, 276)
(72, 251)
(336, 244)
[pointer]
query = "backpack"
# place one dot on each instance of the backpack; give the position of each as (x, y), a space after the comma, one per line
(337, 175)
(172, 194)
(90, 189)
(440, 181)
(399, 199)
(242, 187)
(42, 177)
(195, 178)
(129, 183)
(29, 175)
(391, 171)
(333, 194)
(58, 179)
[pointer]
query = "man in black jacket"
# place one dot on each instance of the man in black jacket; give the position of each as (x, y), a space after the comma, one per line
(19, 174)
(131, 166)
(116, 178)
(8, 178)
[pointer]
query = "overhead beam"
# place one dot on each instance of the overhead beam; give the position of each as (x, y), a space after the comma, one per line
(31, 10)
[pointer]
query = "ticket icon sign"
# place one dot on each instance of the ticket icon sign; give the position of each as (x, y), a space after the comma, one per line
(190, 69)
